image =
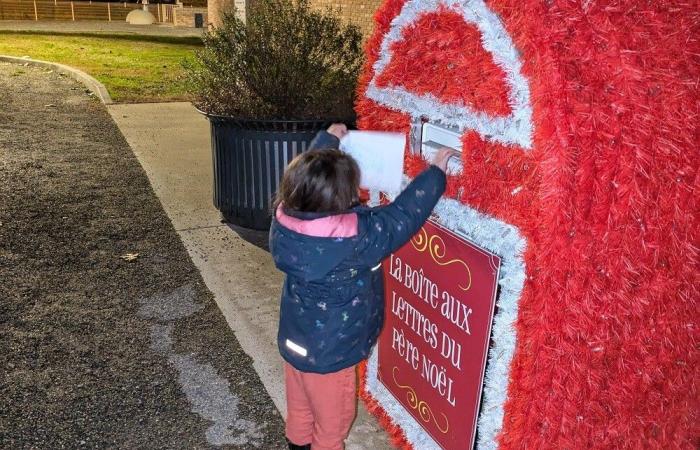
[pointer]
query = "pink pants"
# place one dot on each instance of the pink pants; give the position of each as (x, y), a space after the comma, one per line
(320, 408)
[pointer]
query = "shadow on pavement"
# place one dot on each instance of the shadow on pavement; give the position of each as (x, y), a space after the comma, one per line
(256, 237)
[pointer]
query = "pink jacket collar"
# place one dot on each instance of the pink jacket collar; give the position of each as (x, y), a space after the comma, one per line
(338, 225)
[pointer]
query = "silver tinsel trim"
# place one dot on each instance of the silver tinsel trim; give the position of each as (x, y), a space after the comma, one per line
(514, 129)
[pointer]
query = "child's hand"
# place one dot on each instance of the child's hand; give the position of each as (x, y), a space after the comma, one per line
(338, 130)
(443, 156)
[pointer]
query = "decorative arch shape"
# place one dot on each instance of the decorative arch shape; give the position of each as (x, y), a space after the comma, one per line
(514, 129)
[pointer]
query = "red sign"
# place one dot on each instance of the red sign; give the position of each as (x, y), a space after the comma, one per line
(440, 297)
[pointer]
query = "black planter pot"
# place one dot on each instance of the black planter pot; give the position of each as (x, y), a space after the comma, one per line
(249, 159)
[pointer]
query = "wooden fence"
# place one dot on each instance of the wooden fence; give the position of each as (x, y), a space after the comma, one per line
(78, 10)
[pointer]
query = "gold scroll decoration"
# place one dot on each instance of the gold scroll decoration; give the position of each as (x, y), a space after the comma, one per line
(424, 410)
(437, 249)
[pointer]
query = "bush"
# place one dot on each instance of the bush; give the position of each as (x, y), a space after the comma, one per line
(287, 62)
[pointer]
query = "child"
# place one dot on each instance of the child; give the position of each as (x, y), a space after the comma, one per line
(332, 308)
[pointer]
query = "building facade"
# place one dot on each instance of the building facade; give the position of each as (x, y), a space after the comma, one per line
(356, 12)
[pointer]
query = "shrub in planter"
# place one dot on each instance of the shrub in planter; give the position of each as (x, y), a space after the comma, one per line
(267, 85)
(286, 62)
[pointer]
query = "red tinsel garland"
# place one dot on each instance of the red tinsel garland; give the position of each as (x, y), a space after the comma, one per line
(445, 71)
(607, 335)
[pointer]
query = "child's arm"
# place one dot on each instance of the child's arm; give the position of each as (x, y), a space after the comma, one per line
(389, 227)
(329, 139)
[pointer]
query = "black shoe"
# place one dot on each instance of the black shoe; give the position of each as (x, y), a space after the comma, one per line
(298, 447)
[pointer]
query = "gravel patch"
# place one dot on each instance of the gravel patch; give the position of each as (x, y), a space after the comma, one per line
(110, 338)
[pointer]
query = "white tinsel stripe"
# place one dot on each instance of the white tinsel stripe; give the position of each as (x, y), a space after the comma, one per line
(513, 129)
(419, 439)
(504, 130)
(505, 241)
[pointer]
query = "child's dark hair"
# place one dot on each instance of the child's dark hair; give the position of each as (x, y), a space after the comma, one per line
(320, 181)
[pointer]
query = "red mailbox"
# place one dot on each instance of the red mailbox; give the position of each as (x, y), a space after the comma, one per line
(577, 123)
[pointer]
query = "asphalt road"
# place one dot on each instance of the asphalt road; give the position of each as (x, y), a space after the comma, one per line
(109, 338)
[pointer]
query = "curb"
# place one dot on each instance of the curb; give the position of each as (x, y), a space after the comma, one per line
(92, 84)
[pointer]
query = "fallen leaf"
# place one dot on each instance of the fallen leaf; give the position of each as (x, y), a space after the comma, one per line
(129, 256)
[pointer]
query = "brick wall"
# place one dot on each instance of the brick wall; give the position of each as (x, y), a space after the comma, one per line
(357, 12)
(184, 16)
(77, 10)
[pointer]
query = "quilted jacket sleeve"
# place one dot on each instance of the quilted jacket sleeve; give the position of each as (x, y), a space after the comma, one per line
(391, 226)
(324, 141)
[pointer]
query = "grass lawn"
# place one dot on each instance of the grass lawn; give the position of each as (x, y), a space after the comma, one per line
(132, 68)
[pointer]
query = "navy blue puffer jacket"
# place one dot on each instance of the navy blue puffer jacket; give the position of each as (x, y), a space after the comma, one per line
(333, 296)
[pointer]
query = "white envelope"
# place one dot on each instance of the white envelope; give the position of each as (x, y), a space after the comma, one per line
(380, 157)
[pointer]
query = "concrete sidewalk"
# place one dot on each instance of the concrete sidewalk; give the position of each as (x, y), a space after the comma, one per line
(172, 142)
(99, 26)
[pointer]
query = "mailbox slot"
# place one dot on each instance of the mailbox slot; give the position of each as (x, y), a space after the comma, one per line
(427, 138)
